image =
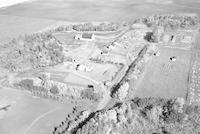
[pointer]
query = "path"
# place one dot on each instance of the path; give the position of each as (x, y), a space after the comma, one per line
(39, 118)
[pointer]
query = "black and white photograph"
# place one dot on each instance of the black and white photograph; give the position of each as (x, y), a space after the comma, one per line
(99, 66)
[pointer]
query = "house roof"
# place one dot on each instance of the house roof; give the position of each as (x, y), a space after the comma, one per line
(87, 35)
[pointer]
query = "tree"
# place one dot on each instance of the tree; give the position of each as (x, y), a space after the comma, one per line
(150, 37)
(54, 90)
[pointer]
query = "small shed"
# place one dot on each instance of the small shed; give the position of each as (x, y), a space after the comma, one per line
(87, 36)
(139, 26)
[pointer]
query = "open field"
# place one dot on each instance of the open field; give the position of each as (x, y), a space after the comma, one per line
(13, 26)
(26, 111)
(104, 10)
(31, 115)
(166, 78)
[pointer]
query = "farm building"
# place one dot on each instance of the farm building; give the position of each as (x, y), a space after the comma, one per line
(139, 26)
(85, 68)
(85, 36)
(159, 31)
(166, 38)
(187, 39)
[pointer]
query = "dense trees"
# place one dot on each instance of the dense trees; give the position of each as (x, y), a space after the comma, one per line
(101, 27)
(150, 37)
(144, 116)
(54, 90)
(170, 21)
(31, 51)
(90, 94)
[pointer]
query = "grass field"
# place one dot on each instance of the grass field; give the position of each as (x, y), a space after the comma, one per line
(25, 110)
(13, 26)
(166, 78)
(95, 10)
(32, 115)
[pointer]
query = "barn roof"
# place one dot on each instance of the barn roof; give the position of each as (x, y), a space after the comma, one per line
(87, 35)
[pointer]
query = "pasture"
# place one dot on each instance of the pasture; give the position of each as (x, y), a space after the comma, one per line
(164, 77)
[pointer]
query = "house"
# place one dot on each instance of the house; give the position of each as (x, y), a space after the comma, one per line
(159, 31)
(166, 38)
(187, 39)
(85, 36)
(139, 26)
(84, 68)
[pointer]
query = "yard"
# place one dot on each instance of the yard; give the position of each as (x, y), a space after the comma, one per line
(101, 72)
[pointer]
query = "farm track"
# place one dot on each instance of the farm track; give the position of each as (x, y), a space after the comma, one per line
(39, 118)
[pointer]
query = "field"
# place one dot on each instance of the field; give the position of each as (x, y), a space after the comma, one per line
(166, 78)
(93, 10)
(31, 115)
(13, 26)
(26, 111)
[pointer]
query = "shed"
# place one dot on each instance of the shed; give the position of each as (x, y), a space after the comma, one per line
(87, 36)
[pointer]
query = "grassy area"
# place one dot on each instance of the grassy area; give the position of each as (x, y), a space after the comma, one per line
(166, 78)
(25, 109)
(13, 26)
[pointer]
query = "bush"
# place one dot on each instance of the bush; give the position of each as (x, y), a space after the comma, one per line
(90, 94)
(32, 51)
(150, 37)
(26, 84)
(54, 90)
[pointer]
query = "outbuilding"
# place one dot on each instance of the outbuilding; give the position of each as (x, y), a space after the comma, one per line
(85, 36)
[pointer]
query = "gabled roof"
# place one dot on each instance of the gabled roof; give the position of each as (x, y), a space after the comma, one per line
(87, 35)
